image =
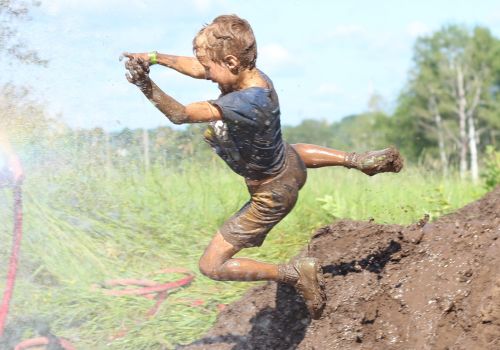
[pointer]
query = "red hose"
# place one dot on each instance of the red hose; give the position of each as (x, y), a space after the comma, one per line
(11, 277)
(151, 286)
(41, 341)
(148, 287)
(14, 257)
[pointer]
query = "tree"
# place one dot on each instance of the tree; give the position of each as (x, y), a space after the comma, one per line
(18, 114)
(13, 12)
(450, 88)
(309, 131)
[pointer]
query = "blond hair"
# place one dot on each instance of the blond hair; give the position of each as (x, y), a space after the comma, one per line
(228, 35)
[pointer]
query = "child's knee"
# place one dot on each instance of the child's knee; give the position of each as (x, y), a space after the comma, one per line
(209, 268)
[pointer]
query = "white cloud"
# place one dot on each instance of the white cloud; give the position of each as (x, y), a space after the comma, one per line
(328, 89)
(494, 17)
(347, 31)
(56, 7)
(202, 5)
(417, 28)
(274, 56)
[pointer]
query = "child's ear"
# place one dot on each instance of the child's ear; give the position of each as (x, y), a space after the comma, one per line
(232, 63)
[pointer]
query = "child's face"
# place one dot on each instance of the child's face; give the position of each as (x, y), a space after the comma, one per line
(218, 72)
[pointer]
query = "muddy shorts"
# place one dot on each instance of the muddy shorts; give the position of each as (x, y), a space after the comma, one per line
(271, 200)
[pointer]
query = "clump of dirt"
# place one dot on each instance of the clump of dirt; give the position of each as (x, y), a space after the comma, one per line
(425, 286)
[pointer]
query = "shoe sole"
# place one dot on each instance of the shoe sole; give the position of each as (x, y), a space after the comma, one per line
(388, 160)
(316, 310)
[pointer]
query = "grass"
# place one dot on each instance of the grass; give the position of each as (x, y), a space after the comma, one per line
(83, 227)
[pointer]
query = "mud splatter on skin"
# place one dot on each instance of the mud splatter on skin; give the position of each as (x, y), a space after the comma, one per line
(425, 286)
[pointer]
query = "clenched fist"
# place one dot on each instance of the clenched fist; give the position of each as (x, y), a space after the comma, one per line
(138, 70)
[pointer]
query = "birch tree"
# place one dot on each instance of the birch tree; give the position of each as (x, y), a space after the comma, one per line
(451, 88)
(482, 56)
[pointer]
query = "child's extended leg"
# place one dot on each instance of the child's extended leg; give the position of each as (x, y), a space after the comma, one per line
(370, 163)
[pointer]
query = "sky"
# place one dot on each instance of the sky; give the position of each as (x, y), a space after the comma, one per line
(326, 58)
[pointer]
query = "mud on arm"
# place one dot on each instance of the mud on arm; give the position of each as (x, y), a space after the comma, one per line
(176, 112)
(171, 108)
(138, 74)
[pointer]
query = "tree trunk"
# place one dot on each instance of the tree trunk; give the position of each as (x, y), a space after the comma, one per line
(442, 149)
(439, 130)
(474, 169)
(473, 139)
(462, 118)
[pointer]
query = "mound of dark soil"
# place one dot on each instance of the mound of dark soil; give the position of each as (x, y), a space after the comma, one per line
(425, 286)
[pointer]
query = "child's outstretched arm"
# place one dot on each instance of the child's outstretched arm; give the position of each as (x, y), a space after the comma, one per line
(189, 66)
(176, 112)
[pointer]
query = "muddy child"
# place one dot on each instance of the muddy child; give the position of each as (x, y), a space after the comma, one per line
(243, 127)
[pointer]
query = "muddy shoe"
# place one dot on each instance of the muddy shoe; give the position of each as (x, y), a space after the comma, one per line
(311, 285)
(374, 162)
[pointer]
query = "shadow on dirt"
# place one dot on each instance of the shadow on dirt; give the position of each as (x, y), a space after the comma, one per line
(280, 328)
(374, 262)
(284, 327)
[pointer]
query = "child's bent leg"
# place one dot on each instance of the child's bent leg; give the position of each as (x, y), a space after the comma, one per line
(370, 163)
(217, 263)
(271, 200)
(304, 274)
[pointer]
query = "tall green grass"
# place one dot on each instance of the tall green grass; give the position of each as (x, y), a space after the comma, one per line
(83, 227)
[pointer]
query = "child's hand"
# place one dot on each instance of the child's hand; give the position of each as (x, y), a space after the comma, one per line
(138, 72)
(144, 56)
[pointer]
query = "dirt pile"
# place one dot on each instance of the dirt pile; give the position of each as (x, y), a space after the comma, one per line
(425, 286)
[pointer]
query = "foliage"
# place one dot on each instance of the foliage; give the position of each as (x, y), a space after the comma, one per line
(94, 211)
(12, 12)
(429, 105)
(84, 226)
(491, 173)
(356, 132)
(438, 202)
(314, 131)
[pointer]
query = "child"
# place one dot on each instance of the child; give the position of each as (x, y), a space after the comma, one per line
(244, 129)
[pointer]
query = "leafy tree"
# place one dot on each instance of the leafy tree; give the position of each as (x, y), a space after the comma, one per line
(366, 131)
(12, 13)
(450, 94)
(19, 115)
(353, 133)
(318, 132)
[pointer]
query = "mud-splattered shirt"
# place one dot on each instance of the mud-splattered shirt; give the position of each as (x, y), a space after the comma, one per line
(248, 138)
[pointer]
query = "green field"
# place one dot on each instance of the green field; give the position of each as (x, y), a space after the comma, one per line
(85, 226)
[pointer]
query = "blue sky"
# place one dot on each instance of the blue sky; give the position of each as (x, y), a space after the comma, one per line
(326, 58)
